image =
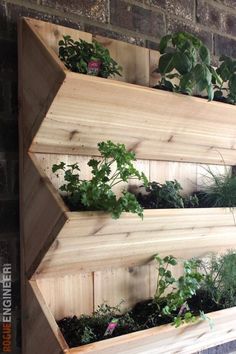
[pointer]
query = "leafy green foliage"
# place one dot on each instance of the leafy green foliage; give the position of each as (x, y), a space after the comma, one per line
(164, 196)
(177, 292)
(77, 56)
(220, 279)
(189, 62)
(219, 190)
(116, 166)
(227, 73)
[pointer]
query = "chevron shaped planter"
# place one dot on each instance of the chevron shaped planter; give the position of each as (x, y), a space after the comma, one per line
(74, 261)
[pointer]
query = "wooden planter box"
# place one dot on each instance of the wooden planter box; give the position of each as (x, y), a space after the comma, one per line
(72, 262)
(187, 339)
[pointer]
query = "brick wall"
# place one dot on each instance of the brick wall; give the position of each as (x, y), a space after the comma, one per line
(141, 22)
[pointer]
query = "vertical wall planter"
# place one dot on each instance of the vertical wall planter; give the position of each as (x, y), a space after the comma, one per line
(71, 260)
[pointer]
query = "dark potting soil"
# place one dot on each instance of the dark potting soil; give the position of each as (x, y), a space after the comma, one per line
(144, 315)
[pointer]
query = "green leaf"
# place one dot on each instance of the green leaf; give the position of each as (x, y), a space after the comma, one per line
(166, 63)
(204, 54)
(164, 42)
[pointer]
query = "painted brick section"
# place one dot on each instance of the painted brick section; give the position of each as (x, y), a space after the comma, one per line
(136, 18)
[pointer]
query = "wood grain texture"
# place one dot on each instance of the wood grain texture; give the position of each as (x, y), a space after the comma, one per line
(69, 295)
(43, 334)
(41, 224)
(189, 129)
(39, 87)
(78, 260)
(90, 240)
(167, 339)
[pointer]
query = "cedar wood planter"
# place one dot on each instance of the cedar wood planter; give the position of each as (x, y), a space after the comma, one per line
(67, 113)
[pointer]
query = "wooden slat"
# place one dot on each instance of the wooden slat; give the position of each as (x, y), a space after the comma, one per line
(51, 33)
(44, 214)
(112, 285)
(184, 173)
(133, 59)
(39, 87)
(167, 339)
(41, 329)
(89, 241)
(189, 129)
(69, 295)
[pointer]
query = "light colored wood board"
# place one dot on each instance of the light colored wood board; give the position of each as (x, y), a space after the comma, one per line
(82, 224)
(71, 256)
(130, 284)
(68, 295)
(43, 214)
(41, 330)
(46, 161)
(205, 174)
(51, 33)
(189, 129)
(127, 285)
(184, 173)
(93, 245)
(39, 87)
(186, 339)
(154, 77)
(133, 59)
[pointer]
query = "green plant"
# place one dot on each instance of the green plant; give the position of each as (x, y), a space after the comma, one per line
(166, 195)
(227, 73)
(115, 166)
(219, 190)
(176, 292)
(219, 280)
(91, 328)
(78, 55)
(188, 62)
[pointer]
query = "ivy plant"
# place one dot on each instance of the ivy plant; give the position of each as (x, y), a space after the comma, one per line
(116, 166)
(177, 292)
(87, 58)
(227, 73)
(188, 61)
(164, 196)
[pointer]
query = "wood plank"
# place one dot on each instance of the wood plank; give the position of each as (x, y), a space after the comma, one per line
(125, 286)
(184, 173)
(167, 339)
(41, 224)
(133, 59)
(39, 87)
(41, 329)
(69, 295)
(189, 129)
(52, 33)
(89, 244)
(154, 57)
